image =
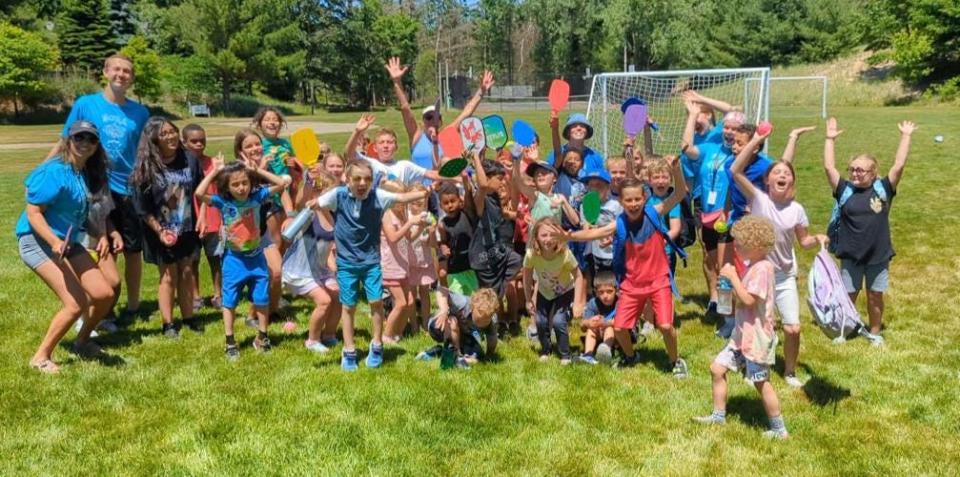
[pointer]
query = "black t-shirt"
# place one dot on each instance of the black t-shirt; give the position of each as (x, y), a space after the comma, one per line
(864, 234)
(460, 232)
(487, 249)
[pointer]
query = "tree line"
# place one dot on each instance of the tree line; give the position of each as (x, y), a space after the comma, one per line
(302, 50)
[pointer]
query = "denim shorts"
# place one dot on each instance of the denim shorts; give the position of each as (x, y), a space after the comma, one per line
(877, 276)
(34, 252)
(734, 360)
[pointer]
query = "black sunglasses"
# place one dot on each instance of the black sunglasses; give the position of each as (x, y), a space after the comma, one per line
(84, 137)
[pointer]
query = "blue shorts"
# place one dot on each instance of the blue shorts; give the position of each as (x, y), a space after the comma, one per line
(241, 270)
(877, 276)
(349, 278)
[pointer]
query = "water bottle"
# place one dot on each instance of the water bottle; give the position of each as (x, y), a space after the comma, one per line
(724, 297)
(448, 357)
(298, 224)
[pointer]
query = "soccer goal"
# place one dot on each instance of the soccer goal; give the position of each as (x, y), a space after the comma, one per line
(747, 88)
(798, 96)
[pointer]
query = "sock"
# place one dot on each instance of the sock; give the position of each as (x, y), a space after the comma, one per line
(720, 413)
(231, 341)
(777, 424)
(376, 347)
(262, 334)
(350, 352)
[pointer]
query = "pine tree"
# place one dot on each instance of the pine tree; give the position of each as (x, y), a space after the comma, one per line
(122, 22)
(84, 32)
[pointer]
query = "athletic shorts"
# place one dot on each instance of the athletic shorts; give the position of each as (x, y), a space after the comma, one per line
(349, 278)
(35, 251)
(213, 244)
(877, 276)
(788, 299)
(734, 360)
(711, 238)
(126, 221)
(630, 306)
(250, 271)
(497, 276)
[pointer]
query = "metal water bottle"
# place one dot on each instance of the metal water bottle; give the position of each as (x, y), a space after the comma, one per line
(724, 297)
(298, 224)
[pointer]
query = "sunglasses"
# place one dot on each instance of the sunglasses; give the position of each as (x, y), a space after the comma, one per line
(84, 137)
(858, 170)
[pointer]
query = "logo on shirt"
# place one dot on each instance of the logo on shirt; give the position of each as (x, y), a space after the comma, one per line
(876, 205)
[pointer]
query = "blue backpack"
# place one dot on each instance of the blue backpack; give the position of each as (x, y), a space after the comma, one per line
(620, 239)
(833, 228)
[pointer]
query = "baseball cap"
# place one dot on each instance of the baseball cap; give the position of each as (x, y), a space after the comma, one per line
(600, 174)
(81, 126)
(532, 168)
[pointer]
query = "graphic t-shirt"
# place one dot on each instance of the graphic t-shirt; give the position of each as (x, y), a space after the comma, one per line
(714, 176)
(865, 225)
(241, 220)
(119, 128)
(754, 335)
(176, 204)
(554, 276)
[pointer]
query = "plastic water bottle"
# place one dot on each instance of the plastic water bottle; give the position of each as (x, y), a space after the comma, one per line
(724, 297)
(298, 224)
(448, 357)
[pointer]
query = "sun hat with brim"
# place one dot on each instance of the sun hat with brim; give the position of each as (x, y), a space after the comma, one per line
(573, 121)
(600, 174)
(81, 126)
(536, 165)
(428, 110)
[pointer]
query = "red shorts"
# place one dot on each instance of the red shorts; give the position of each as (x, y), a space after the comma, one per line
(630, 306)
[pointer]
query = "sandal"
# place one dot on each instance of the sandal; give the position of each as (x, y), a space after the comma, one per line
(46, 366)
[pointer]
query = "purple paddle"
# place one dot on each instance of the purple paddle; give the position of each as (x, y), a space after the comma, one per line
(634, 119)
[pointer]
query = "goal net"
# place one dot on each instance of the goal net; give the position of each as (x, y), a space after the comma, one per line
(797, 96)
(746, 88)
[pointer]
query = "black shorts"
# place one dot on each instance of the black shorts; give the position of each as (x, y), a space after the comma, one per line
(496, 274)
(158, 254)
(126, 221)
(711, 238)
(596, 265)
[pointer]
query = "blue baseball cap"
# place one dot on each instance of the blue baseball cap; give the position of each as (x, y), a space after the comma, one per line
(575, 119)
(600, 174)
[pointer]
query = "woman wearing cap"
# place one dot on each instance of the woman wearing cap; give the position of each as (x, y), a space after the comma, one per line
(421, 147)
(48, 232)
(577, 131)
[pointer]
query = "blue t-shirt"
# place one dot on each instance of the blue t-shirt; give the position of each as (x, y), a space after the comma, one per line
(596, 307)
(674, 213)
(241, 221)
(691, 169)
(422, 154)
(592, 160)
(357, 233)
(119, 128)
(714, 176)
(755, 171)
(55, 185)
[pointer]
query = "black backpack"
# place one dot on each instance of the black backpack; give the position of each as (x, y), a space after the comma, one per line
(688, 224)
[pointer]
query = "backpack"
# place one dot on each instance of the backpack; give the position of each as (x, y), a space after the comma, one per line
(833, 228)
(688, 224)
(831, 307)
(620, 239)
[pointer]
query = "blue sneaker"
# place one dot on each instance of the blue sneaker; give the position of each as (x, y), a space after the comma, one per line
(588, 359)
(429, 353)
(348, 361)
(329, 342)
(375, 357)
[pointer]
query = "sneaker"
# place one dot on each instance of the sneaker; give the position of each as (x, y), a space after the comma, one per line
(315, 346)
(471, 358)
(252, 322)
(329, 342)
(532, 333)
(875, 340)
(627, 362)
(348, 360)
(727, 329)
(604, 353)
(429, 354)
(587, 359)
(170, 331)
(79, 325)
(375, 357)
(710, 419)
(462, 363)
(793, 381)
(232, 353)
(776, 434)
(262, 345)
(88, 349)
(647, 329)
(544, 358)
(680, 370)
(565, 361)
(108, 325)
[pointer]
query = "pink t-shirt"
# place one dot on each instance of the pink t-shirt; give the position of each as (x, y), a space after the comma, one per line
(393, 256)
(785, 218)
(421, 248)
(754, 335)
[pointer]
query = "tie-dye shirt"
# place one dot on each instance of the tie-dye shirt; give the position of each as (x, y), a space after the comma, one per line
(241, 220)
(754, 335)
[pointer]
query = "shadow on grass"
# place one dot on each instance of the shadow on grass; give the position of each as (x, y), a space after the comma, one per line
(656, 356)
(104, 358)
(823, 392)
(748, 408)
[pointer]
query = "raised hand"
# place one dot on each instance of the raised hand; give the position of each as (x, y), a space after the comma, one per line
(487, 81)
(800, 131)
(907, 127)
(395, 69)
(218, 162)
(365, 122)
(832, 131)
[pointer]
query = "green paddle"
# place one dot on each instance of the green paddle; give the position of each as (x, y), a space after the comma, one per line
(591, 207)
(453, 167)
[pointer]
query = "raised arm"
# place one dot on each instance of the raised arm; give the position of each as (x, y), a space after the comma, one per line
(201, 192)
(679, 187)
(396, 71)
(364, 123)
(595, 233)
(790, 151)
(517, 177)
(722, 106)
(405, 197)
(692, 152)
(829, 159)
(486, 82)
(648, 137)
(896, 171)
(555, 136)
(740, 164)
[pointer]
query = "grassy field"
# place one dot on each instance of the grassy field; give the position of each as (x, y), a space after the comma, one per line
(179, 408)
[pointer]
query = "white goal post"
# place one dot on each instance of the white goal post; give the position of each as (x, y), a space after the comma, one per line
(748, 88)
(797, 99)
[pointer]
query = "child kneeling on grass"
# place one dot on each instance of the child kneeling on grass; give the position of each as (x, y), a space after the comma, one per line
(463, 322)
(754, 341)
(244, 263)
(597, 322)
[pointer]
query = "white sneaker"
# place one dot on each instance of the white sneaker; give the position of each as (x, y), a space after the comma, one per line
(647, 328)
(79, 325)
(793, 381)
(604, 354)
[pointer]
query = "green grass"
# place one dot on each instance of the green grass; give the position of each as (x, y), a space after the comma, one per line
(178, 408)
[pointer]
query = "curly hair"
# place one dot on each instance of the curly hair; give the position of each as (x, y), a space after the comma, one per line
(483, 304)
(754, 233)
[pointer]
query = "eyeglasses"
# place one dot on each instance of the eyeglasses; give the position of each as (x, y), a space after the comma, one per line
(84, 137)
(858, 170)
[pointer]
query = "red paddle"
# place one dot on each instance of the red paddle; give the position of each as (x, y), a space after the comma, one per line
(559, 95)
(450, 142)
